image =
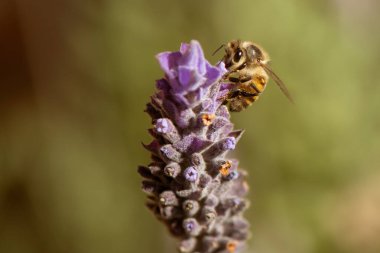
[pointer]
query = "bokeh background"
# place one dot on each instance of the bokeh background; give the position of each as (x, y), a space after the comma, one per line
(75, 77)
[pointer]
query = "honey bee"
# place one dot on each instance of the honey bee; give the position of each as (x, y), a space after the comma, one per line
(248, 71)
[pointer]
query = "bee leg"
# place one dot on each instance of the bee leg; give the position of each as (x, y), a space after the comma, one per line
(233, 94)
(224, 99)
(236, 77)
(240, 99)
(241, 93)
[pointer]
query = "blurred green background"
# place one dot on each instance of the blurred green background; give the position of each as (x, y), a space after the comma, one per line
(75, 77)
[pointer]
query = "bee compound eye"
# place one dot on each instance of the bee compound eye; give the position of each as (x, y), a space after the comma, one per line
(238, 55)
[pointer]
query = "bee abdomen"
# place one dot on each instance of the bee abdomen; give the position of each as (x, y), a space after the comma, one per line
(258, 84)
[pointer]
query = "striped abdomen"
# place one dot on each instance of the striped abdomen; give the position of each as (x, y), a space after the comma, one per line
(247, 90)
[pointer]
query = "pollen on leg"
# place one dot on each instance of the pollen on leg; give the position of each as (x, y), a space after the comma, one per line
(224, 169)
(207, 119)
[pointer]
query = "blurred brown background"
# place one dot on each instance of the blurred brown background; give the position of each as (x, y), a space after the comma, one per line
(75, 77)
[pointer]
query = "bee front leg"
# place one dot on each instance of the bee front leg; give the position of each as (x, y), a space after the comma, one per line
(232, 94)
(237, 77)
(240, 93)
(236, 94)
(240, 99)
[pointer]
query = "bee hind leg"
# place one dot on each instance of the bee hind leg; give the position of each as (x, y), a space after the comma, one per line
(232, 95)
(239, 100)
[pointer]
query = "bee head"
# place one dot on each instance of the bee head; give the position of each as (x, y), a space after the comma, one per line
(235, 56)
(238, 54)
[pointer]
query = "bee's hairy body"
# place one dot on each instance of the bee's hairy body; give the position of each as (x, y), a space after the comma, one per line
(246, 63)
(249, 83)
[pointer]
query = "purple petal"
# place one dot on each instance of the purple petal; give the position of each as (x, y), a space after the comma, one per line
(190, 57)
(185, 74)
(168, 61)
(201, 58)
(184, 47)
(213, 74)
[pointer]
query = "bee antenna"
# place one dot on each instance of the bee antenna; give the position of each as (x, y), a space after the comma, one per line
(217, 49)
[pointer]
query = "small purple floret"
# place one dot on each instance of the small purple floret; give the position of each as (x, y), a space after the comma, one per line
(233, 175)
(191, 174)
(162, 126)
(236, 202)
(229, 143)
(189, 226)
(188, 71)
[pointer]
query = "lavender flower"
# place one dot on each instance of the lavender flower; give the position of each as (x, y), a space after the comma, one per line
(192, 187)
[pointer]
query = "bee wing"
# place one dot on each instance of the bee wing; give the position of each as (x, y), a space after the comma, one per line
(279, 82)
